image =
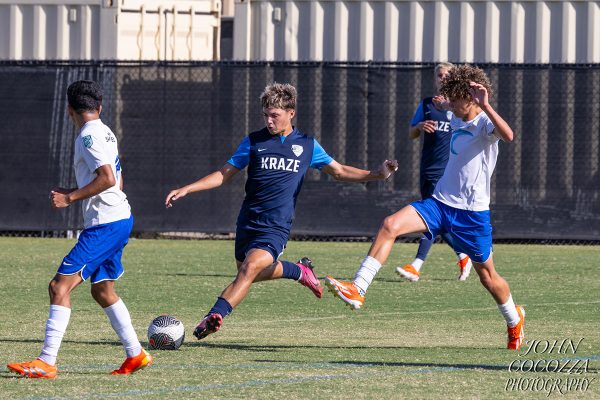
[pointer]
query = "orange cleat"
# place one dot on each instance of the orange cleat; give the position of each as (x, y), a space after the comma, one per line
(133, 364)
(465, 268)
(34, 369)
(346, 291)
(516, 334)
(408, 272)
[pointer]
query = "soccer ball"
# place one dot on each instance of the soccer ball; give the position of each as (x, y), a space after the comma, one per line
(165, 333)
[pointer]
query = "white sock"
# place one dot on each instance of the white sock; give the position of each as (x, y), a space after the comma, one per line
(121, 322)
(509, 312)
(417, 263)
(365, 274)
(461, 256)
(56, 326)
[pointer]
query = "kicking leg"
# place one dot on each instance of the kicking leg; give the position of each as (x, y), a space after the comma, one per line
(256, 261)
(405, 221)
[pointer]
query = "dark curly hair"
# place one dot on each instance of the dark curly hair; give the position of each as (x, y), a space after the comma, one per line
(456, 84)
(84, 96)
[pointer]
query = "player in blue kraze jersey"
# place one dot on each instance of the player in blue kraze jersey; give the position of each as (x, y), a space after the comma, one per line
(107, 221)
(277, 157)
(460, 204)
(434, 123)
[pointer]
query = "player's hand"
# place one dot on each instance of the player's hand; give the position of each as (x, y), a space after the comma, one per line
(60, 200)
(440, 102)
(388, 168)
(427, 126)
(175, 195)
(479, 94)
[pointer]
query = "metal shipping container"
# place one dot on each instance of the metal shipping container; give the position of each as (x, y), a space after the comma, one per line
(109, 29)
(528, 31)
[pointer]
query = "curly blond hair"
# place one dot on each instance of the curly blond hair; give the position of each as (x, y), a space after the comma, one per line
(279, 95)
(456, 84)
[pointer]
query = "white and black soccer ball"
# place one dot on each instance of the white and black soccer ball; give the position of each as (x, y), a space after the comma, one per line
(165, 333)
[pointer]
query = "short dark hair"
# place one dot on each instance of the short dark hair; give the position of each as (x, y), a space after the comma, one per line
(456, 83)
(84, 96)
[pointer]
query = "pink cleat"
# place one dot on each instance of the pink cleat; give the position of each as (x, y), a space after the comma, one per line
(209, 324)
(308, 277)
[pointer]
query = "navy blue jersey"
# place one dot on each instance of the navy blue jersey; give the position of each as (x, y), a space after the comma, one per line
(436, 146)
(276, 169)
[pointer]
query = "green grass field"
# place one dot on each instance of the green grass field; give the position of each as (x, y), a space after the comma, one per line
(437, 338)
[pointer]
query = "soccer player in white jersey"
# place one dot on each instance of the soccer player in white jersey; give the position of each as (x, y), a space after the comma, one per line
(97, 254)
(460, 202)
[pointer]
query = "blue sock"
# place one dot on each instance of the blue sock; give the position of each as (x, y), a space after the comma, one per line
(222, 307)
(424, 247)
(291, 270)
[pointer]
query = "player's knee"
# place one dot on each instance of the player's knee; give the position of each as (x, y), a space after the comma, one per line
(390, 226)
(249, 269)
(57, 289)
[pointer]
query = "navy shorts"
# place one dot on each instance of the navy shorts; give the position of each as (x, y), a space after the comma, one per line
(247, 239)
(427, 186)
(471, 230)
(97, 253)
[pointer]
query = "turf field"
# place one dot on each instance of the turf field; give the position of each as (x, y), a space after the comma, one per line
(437, 338)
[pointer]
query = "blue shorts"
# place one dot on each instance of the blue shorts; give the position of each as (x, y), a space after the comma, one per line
(247, 239)
(97, 253)
(471, 230)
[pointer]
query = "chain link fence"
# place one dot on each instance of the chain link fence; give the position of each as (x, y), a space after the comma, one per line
(178, 122)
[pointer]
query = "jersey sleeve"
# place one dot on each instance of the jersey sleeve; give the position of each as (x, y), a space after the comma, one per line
(320, 158)
(419, 115)
(489, 130)
(241, 157)
(93, 153)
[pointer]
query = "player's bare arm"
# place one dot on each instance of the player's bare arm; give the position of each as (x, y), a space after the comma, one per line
(347, 173)
(423, 126)
(480, 97)
(210, 181)
(104, 180)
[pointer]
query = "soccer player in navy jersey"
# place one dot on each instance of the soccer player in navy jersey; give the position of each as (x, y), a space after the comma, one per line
(278, 157)
(434, 122)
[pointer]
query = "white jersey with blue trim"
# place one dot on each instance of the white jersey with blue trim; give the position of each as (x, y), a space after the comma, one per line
(473, 154)
(95, 146)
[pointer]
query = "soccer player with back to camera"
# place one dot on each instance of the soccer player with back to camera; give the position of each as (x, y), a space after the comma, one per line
(460, 202)
(434, 123)
(278, 157)
(107, 223)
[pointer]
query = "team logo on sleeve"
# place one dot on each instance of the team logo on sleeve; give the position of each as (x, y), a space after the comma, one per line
(87, 141)
(297, 149)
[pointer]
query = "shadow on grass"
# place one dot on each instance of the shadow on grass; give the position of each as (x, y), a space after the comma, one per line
(92, 342)
(275, 348)
(201, 275)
